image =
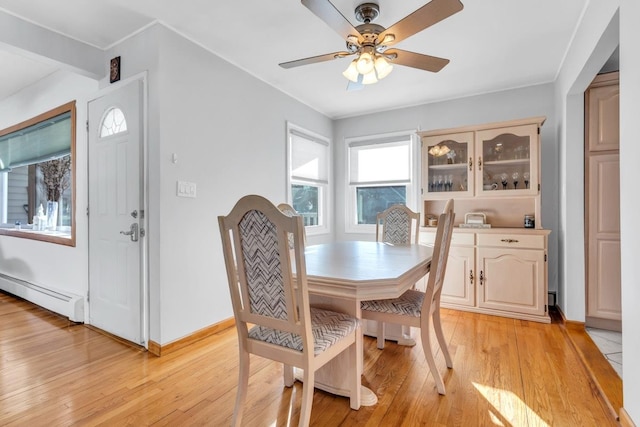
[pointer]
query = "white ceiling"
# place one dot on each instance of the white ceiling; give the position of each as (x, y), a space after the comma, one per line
(492, 44)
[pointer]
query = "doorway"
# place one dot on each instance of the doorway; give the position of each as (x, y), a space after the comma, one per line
(116, 213)
(602, 203)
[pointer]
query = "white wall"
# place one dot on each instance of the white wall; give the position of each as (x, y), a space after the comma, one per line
(53, 266)
(493, 107)
(595, 40)
(601, 30)
(629, 202)
(228, 131)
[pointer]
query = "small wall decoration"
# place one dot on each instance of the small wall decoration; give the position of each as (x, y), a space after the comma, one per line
(114, 74)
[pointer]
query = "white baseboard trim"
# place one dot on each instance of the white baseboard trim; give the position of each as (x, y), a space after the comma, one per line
(61, 302)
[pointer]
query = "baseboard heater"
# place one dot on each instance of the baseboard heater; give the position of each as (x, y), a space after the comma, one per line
(64, 303)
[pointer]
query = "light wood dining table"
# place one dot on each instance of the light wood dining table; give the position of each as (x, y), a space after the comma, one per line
(342, 274)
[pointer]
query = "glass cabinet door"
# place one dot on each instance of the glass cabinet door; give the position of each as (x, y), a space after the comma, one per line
(447, 163)
(507, 160)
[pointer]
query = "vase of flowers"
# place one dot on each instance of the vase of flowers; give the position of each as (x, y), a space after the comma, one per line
(55, 180)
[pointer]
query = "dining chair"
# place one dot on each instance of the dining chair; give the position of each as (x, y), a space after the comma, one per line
(418, 309)
(396, 225)
(270, 299)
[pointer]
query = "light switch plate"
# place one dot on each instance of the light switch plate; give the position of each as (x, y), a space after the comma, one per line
(186, 189)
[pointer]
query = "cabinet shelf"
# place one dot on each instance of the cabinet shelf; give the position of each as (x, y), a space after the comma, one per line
(510, 162)
(452, 166)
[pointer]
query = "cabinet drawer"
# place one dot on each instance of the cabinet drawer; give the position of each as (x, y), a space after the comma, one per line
(457, 239)
(512, 240)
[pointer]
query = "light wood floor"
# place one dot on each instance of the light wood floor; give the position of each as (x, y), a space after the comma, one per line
(506, 373)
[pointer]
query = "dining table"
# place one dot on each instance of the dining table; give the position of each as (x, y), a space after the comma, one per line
(342, 274)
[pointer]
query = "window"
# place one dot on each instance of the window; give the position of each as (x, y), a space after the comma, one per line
(308, 177)
(113, 123)
(37, 177)
(382, 172)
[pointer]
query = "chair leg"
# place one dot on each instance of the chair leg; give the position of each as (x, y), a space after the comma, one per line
(428, 354)
(243, 385)
(308, 380)
(380, 334)
(437, 325)
(288, 375)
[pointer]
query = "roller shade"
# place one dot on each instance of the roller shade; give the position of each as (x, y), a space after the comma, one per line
(47, 140)
(380, 162)
(309, 159)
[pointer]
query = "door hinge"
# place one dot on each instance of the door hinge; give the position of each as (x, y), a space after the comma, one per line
(538, 187)
(87, 210)
(538, 131)
(87, 126)
(545, 308)
(545, 257)
(88, 295)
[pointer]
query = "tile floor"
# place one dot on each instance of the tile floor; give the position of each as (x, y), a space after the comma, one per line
(610, 344)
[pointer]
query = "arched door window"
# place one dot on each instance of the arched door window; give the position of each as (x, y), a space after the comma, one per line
(113, 123)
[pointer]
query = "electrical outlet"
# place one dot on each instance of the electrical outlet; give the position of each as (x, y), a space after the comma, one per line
(186, 189)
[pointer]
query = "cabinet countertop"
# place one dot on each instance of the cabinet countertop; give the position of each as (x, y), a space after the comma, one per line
(493, 230)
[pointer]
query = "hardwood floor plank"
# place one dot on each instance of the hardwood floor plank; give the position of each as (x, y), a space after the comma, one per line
(508, 372)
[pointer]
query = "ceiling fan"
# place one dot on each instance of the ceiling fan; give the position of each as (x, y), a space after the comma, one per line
(370, 42)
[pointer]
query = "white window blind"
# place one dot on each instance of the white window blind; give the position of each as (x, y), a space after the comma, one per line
(309, 159)
(43, 141)
(381, 162)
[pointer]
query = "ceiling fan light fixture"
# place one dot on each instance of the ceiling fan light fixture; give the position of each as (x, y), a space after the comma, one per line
(383, 68)
(351, 72)
(365, 63)
(370, 78)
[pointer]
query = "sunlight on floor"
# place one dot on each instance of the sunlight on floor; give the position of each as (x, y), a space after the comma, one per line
(510, 409)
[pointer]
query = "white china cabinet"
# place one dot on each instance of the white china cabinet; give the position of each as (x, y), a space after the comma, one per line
(494, 169)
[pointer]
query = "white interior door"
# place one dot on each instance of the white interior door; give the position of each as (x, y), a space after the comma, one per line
(116, 215)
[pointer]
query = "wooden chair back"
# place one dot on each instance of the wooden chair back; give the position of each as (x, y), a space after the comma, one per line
(398, 225)
(260, 268)
(439, 261)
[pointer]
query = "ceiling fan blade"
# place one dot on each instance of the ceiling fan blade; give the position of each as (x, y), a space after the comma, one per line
(429, 14)
(326, 11)
(314, 59)
(416, 60)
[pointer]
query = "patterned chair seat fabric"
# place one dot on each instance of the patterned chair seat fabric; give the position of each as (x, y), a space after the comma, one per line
(328, 327)
(408, 304)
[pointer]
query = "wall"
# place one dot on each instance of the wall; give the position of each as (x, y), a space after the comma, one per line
(492, 107)
(45, 263)
(227, 130)
(629, 204)
(596, 38)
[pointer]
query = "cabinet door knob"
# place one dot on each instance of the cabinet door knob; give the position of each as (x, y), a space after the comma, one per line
(509, 240)
(471, 276)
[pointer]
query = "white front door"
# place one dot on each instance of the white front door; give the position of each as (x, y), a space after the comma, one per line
(116, 214)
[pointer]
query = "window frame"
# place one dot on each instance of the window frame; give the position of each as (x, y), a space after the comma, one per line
(412, 184)
(324, 187)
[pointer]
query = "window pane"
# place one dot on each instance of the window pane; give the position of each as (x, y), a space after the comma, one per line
(376, 163)
(113, 123)
(372, 200)
(309, 159)
(305, 202)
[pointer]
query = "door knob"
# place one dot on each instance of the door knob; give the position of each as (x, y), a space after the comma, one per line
(133, 232)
